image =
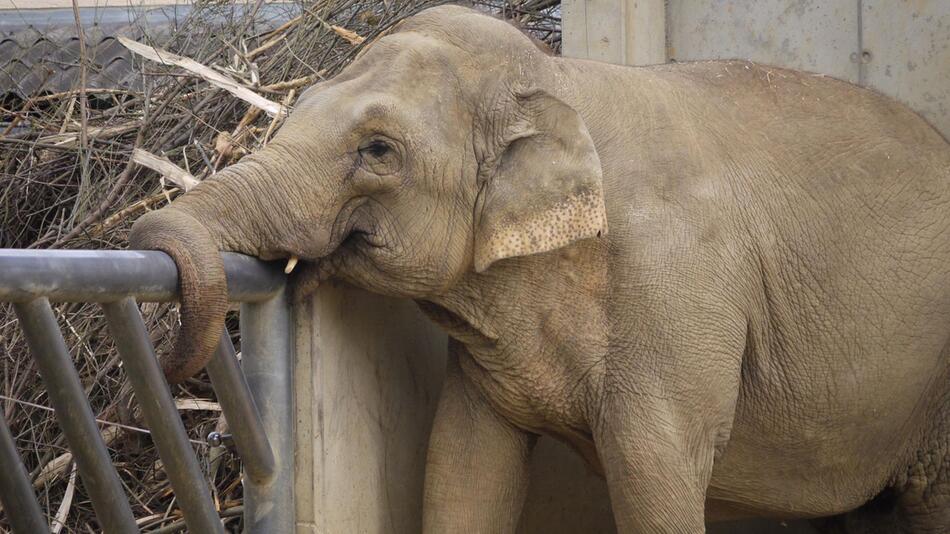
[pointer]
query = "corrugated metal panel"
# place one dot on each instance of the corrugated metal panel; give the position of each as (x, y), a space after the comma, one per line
(36, 61)
(39, 49)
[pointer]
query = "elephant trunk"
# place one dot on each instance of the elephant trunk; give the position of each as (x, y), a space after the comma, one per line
(220, 214)
(202, 285)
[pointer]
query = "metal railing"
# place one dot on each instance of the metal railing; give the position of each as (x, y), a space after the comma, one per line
(256, 394)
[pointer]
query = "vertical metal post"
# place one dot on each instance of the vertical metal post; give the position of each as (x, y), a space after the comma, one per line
(240, 409)
(75, 417)
(158, 407)
(267, 349)
(16, 492)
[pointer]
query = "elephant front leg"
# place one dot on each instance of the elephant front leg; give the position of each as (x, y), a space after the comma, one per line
(477, 466)
(656, 475)
(657, 435)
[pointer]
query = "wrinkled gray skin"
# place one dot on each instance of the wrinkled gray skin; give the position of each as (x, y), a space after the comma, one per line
(726, 285)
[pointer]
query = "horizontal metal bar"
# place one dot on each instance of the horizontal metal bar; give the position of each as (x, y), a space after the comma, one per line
(16, 492)
(268, 361)
(75, 417)
(241, 412)
(108, 275)
(158, 408)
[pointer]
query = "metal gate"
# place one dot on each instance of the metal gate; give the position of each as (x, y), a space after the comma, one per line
(256, 394)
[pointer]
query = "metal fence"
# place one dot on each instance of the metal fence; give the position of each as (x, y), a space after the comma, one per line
(256, 394)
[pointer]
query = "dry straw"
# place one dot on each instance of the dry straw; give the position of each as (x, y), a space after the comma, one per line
(77, 167)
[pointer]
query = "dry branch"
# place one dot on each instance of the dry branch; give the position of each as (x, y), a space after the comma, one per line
(210, 75)
(130, 210)
(348, 35)
(71, 140)
(293, 84)
(60, 520)
(273, 38)
(166, 168)
(58, 465)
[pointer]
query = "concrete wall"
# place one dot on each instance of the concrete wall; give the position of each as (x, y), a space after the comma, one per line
(368, 374)
(898, 47)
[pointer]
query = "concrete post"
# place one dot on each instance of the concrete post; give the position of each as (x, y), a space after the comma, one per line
(626, 32)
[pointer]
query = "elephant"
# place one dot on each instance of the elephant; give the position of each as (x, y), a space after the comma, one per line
(725, 285)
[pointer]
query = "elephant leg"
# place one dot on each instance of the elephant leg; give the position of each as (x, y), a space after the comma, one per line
(657, 482)
(477, 466)
(667, 409)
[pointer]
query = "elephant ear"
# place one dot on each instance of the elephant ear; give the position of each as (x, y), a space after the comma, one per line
(545, 189)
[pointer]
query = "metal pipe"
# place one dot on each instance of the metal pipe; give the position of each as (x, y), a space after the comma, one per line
(108, 275)
(16, 492)
(233, 393)
(75, 417)
(160, 414)
(268, 359)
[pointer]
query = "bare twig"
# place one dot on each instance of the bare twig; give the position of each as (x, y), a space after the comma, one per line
(69, 140)
(347, 35)
(293, 84)
(273, 38)
(212, 76)
(131, 209)
(103, 206)
(273, 123)
(83, 116)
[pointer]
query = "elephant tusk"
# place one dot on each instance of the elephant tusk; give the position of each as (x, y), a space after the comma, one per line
(291, 263)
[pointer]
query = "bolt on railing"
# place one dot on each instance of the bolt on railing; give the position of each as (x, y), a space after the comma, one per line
(261, 431)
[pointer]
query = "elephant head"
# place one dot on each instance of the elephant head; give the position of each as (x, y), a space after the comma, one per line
(441, 149)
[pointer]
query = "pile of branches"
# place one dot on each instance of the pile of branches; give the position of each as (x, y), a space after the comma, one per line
(78, 167)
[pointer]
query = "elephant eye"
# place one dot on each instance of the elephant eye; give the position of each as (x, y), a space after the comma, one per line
(379, 156)
(376, 149)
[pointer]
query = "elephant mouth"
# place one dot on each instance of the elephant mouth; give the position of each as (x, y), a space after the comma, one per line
(306, 275)
(353, 231)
